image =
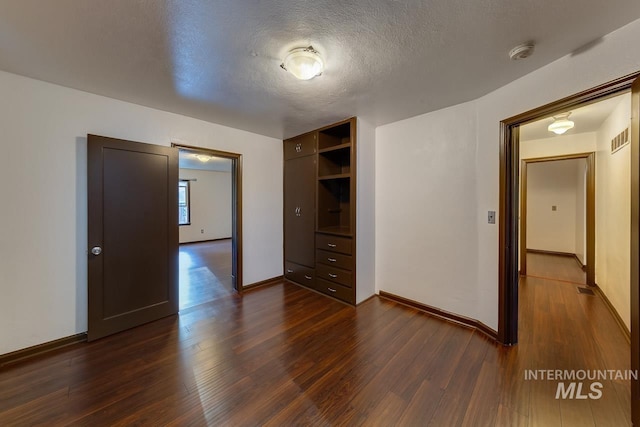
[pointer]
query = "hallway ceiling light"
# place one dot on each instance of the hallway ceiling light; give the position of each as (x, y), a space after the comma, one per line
(203, 158)
(304, 62)
(561, 124)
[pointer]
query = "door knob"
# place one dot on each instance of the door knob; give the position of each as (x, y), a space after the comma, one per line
(96, 250)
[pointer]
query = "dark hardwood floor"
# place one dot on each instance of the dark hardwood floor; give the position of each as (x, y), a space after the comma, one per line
(283, 355)
(205, 272)
(557, 267)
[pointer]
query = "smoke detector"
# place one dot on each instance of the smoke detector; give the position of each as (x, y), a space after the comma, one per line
(522, 51)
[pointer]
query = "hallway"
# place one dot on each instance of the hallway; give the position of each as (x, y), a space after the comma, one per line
(558, 267)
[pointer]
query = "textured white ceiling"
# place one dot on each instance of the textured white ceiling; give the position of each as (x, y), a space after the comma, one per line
(586, 119)
(386, 60)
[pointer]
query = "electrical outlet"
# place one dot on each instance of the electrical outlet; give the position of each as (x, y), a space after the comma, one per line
(554, 208)
(491, 217)
(202, 231)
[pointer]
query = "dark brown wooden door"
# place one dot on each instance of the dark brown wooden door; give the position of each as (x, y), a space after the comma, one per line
(133, 234)
(299, 210)
(635, 249)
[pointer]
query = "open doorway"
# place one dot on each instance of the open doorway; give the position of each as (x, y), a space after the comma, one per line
(509, 281)
(573, 218)
(509, 242)
(209, 212)
(557, 214)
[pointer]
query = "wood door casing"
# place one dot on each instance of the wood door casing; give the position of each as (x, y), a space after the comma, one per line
(635, 249)
(299, 210)
(133, 218)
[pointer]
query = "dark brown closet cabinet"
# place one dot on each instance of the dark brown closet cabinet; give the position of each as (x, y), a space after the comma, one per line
(300, 208)
(320, 181)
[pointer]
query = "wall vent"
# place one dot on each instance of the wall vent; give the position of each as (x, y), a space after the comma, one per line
(620, 140)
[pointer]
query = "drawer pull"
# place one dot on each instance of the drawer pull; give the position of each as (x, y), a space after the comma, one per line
(331, 245)
(331, 259)
(289, 271)
(331, 290)
(333, 276)
(308, 277)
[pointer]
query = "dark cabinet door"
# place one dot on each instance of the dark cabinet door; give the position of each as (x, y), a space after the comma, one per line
(299, 210)
(300, 146)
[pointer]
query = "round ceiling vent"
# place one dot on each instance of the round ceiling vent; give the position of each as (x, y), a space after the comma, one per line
(521, 51)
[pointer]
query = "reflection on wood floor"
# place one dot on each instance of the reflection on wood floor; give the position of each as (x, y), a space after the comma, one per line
(205, 272)
(557, 267)
(283, 355)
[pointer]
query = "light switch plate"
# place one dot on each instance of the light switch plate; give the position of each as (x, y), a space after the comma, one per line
(491, 217)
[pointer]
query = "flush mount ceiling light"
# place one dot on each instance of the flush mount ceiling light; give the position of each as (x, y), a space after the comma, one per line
(561, 124)
(304, 62)
(202, 157)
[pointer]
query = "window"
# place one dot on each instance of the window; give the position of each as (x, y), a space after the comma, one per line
(184, 216)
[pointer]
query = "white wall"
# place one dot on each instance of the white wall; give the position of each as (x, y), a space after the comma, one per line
(426, 229)
(43, 223)
(365, 211)
(210, 204)
(437, 175)
(552, 184)
(613, 213)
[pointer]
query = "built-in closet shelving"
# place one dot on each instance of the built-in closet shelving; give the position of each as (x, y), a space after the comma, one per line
(332, 271)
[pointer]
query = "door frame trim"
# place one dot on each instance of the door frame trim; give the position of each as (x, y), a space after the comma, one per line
(236, 205)
(590, 204)
(635, 249)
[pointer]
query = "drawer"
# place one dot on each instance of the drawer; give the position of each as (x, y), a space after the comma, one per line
(341, 292)
(332, 243)
(335, 260)
(334, 274)
(300, 274)
(303, 145)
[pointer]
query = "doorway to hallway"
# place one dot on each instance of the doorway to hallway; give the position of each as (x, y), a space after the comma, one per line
(210, 226)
